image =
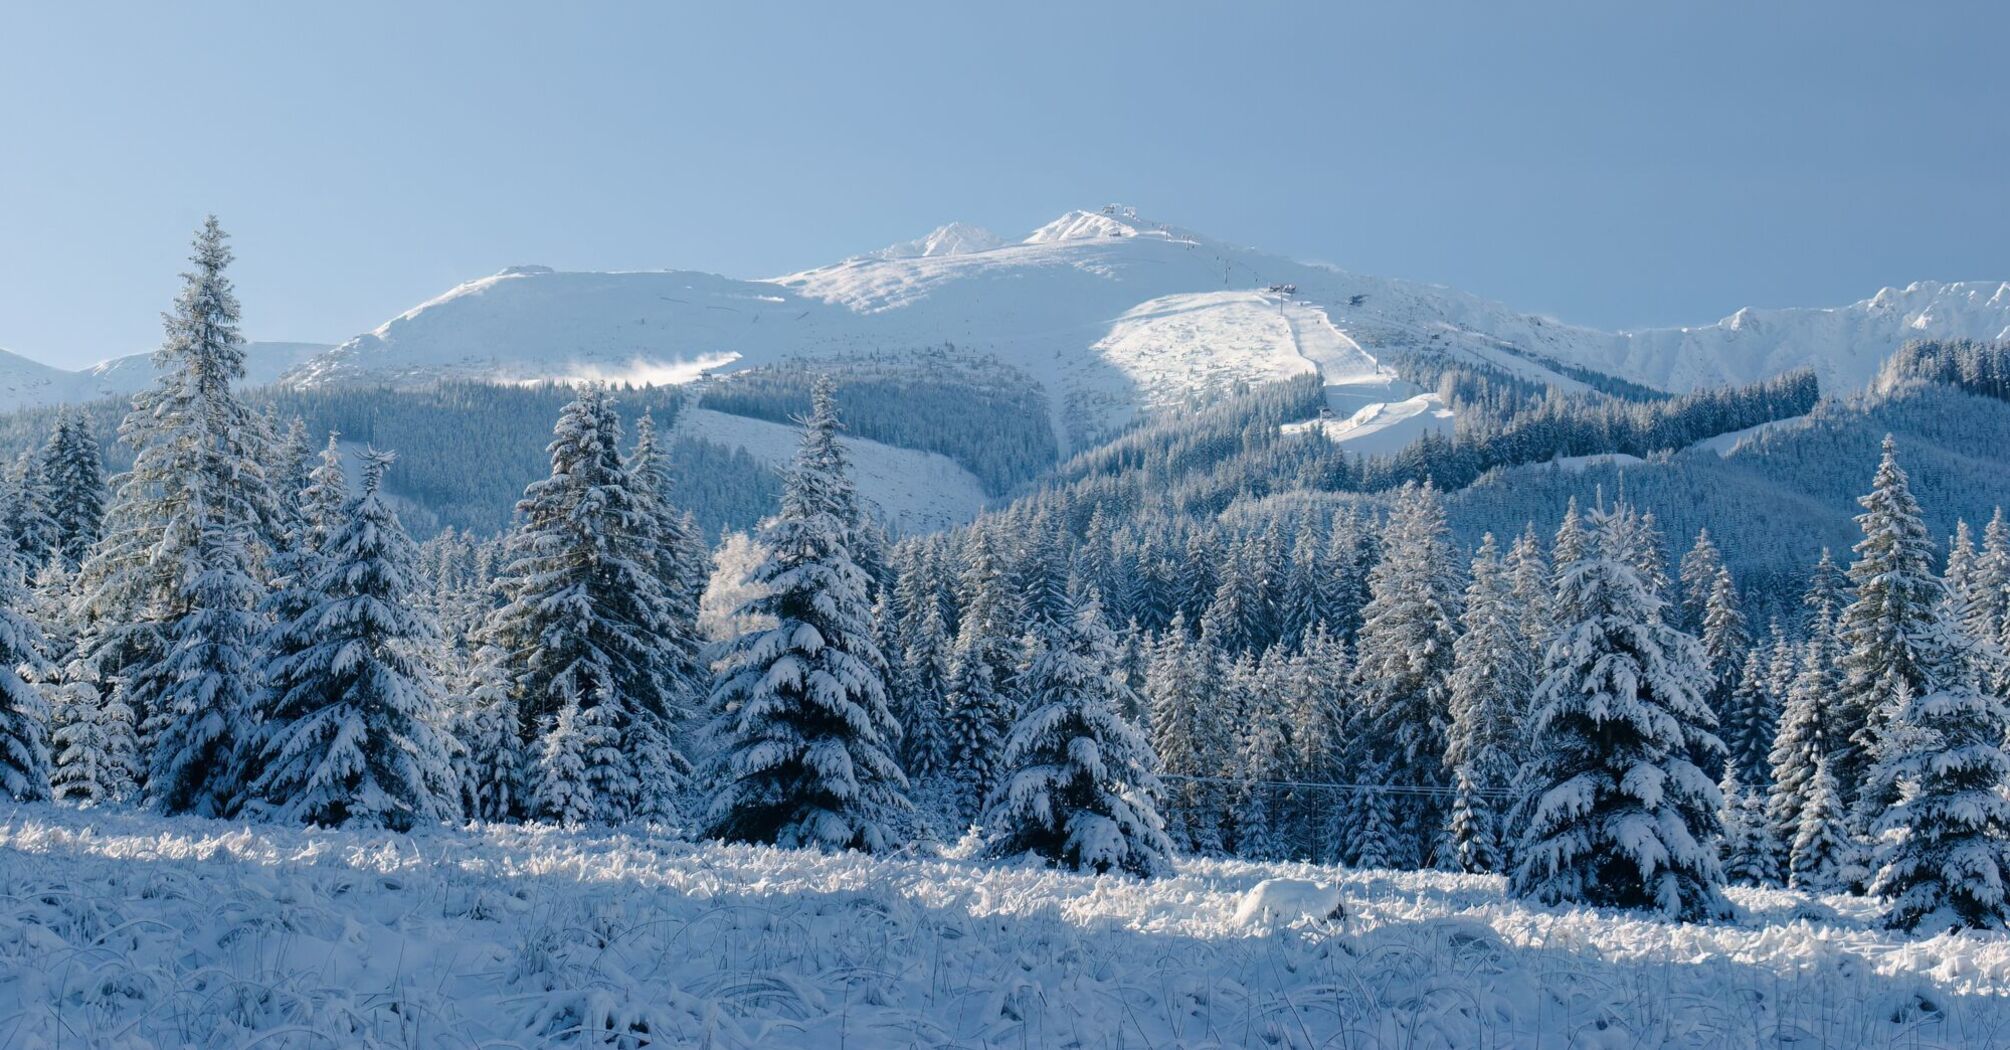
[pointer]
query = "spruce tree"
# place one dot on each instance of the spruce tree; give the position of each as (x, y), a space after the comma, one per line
(205, 687)
(1892, 636)
(1184, 733)
(73, 469)
(1946, 854)
(351, 735)
(809, 743)
(1080, 785)
(1726, 641)
(681, 562)
(1621, 816)
(1824, 858)
(24, 711)
(1750, 857)
(1805, 736)
(583, 630)
(484, 722)
(1750, 725)
(1698, 576)
(1402, 675)
(1493, 677)
(979, 706)
(176, 540)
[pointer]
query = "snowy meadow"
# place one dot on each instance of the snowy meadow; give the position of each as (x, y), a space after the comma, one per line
(122, 930)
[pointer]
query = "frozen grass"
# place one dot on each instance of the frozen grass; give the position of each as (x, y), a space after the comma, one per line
(118, 930)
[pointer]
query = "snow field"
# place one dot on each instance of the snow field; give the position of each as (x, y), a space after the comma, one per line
(123, 931)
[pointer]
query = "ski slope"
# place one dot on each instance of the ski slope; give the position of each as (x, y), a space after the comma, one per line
(915, 492)
(125, 932)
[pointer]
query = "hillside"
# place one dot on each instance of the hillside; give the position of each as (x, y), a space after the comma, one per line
(126, 931)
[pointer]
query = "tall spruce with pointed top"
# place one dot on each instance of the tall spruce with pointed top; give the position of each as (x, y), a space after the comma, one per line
(1621, 816)
(24, 712)
(1698, 576)
(351, 736)
(1726, 640)
(1750, 724)
(583, 630)
(808, 741)
(1892, 636)
(1803, 740)
(73, 469)
(1080, 785)
(1493, 676)
(484, 721)
(1402, 675)
(172, 563)
(1189, 740)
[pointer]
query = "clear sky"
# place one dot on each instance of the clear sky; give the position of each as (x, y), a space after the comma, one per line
(1601, 162)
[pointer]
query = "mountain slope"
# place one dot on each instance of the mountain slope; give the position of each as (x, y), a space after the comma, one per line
(1111, 313)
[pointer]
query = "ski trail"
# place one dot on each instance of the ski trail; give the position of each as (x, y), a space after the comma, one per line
(1352, 377)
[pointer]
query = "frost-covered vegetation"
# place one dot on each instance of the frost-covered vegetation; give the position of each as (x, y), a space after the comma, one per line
(123, 931)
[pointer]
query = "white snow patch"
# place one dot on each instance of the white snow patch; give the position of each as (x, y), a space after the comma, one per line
(1382, 428)
(1727, 443)
(1577, 464)
(915, 491)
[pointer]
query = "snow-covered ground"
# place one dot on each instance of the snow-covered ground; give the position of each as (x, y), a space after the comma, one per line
(916, 492)
(123, 931)
(1380, 429)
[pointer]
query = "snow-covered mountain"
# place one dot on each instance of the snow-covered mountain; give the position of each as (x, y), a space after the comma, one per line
(1109, 311)
(24, 382)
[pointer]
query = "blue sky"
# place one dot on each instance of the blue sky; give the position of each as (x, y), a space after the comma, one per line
(1601, 162)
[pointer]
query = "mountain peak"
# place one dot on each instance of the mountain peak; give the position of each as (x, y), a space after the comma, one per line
(956, 238)
(1114, 220)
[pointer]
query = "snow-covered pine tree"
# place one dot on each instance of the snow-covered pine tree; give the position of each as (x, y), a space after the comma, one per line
(206, 686)
(1080, 785)
(926, 743)
(1824, 857)
(582, 629)
(73, 468)
(979, 705)
(1531, 590)
(24, 711)
(1892, 636)
(485, 724)
(1750, 853)
(1726, 640)
(1827, 595)
(809, 742)
(1751, 724)
(1945, 857)
(1186, 736)
(1805, 735)
(1621, 817)
(680, 559)
(1402, 673)
(351, 735)
(25, 512)
(1493, 677)
(1262, 758)
(196, 493)
(1987, 619)
(1698, 577)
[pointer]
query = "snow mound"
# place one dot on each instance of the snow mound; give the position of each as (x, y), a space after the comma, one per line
(1380, 429)
(1288, 900)
(916, 492)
